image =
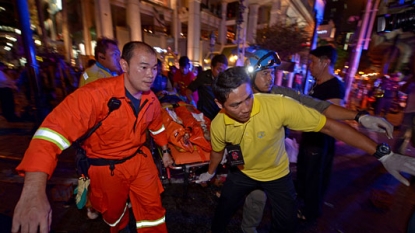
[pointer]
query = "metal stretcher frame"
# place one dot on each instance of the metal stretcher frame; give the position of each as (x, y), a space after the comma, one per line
(193, 160)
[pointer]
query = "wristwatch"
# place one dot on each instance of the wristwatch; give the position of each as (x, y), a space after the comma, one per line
(382, 150)
(359, 114)
(166, 151)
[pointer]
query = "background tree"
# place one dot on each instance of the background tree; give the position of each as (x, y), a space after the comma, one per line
(285, 39)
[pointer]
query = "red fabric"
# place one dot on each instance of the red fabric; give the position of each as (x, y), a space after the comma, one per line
(193, 126)
(137, 179)
(119, 136)
(175, 132)
(183, 80)
(186, 157)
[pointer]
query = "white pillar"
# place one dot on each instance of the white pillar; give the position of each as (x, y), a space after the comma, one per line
(274, 14)
(103, 8)
(290, 79)
(98, 26)
(223, 30)
(86, 24)
(134, 20)
(176, 27)
(278, 11)
(278, 82)
(355, 57)
(252, 23)
(65, 32)
(244, 27)
(193, 31)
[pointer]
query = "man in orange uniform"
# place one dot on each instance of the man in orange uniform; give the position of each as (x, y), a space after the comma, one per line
(120, 138)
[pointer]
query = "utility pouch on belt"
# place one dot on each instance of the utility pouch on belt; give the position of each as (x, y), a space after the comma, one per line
(82, 164)
(234, 155)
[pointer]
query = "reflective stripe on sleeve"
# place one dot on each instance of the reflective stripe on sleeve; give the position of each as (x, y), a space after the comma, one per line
(147, 223)
(158, 131)
(52, 136)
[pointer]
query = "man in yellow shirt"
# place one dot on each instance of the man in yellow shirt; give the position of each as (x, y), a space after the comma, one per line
(255, 124)
(107, 56)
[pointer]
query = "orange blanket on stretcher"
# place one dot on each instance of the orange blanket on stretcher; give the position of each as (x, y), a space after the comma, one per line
(188, 131)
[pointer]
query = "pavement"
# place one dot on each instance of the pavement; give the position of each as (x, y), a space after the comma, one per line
(362, 196)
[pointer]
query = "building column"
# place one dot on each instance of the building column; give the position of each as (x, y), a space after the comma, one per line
(86, 24)
(278, 11)
(193, 36)
(65, 32)
(134, 20)
(98, 26)
(104, 22)
(223, 30)
(252, 23)
(278, 78)
(176, 25)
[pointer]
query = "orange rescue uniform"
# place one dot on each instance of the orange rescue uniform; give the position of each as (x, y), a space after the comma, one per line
(121, 134)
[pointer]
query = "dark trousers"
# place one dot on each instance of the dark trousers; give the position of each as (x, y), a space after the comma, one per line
(383, 105)
(7, 103)
(280, 192)
(314, 165)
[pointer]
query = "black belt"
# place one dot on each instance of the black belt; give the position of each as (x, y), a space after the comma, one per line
(112, 162)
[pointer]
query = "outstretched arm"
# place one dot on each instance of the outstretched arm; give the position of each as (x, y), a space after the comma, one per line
(394, 163)
(337, 112)
(33, 208)
(377, 124)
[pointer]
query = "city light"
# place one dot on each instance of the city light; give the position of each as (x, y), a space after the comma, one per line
(11, 38)
(7, 48)
(160, 50)
(250, 69)
(233, 58)
(38, 42)
(82, 48)
(9, 44)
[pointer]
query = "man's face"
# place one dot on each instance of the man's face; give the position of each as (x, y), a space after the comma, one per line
(264, 80)
(317, 66)
(185, 69)
(111, 58)
(219, 67)
(140, 72)
(238, 106)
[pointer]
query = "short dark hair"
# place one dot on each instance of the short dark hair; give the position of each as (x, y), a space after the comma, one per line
(227, 81)
(184, 61)
(102, 46)
(128, 49)
(219, 58)
(326, 52)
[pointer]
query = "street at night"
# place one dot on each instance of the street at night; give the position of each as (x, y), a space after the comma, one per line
(362, 196)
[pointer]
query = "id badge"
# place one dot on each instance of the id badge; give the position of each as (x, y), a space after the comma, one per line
(234, 155)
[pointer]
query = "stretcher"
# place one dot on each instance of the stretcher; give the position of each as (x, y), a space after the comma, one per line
(188, 133)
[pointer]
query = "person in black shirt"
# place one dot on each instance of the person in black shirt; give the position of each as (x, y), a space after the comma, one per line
(203, 85)
(317, 150)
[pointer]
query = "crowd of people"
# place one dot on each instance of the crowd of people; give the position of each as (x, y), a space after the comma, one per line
(120, 96)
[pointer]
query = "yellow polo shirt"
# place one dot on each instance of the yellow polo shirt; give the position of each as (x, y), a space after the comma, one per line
(262, 137)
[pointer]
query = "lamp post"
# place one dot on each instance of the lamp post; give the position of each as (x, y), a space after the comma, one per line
(212, 43)
(239, 21)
